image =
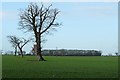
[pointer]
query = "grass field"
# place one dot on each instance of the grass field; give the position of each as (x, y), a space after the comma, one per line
(0, 66)
(60, 67)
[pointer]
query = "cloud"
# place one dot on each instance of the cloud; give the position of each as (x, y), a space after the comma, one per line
(103, 8)
(90, 12)
(96, 11)
(9, 15)
(3, 14)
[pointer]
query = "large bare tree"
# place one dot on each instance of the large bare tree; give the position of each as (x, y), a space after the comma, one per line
(17, 42)
(39, 20)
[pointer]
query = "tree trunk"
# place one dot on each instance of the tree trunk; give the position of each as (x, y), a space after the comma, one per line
(15, 50)
(38, 41)
(21, 52)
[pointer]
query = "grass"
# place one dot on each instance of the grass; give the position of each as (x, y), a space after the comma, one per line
(0, 66)
(60, 67)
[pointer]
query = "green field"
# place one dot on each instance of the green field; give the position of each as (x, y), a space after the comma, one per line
(60, 67)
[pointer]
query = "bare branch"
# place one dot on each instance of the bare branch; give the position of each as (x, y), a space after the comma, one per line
(52, 21)
(25, 42)
(13, 40)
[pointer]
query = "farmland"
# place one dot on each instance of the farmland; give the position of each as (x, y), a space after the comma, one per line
(60, 67)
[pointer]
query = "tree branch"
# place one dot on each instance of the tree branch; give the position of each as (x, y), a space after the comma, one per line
(51, 23)
(25, 43)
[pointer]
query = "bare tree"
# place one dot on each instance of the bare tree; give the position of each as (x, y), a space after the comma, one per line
(21, 44)
(39, 20)
(17, 42)
(14, 41)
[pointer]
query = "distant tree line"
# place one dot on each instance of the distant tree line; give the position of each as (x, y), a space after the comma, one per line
(13, 53)
(64, 52)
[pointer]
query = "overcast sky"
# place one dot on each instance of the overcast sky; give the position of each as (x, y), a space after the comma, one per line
(85, 25)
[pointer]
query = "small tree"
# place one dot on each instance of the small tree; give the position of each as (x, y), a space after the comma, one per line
(21, 44)
(39, 20)
(17, 42)
(14, 41)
